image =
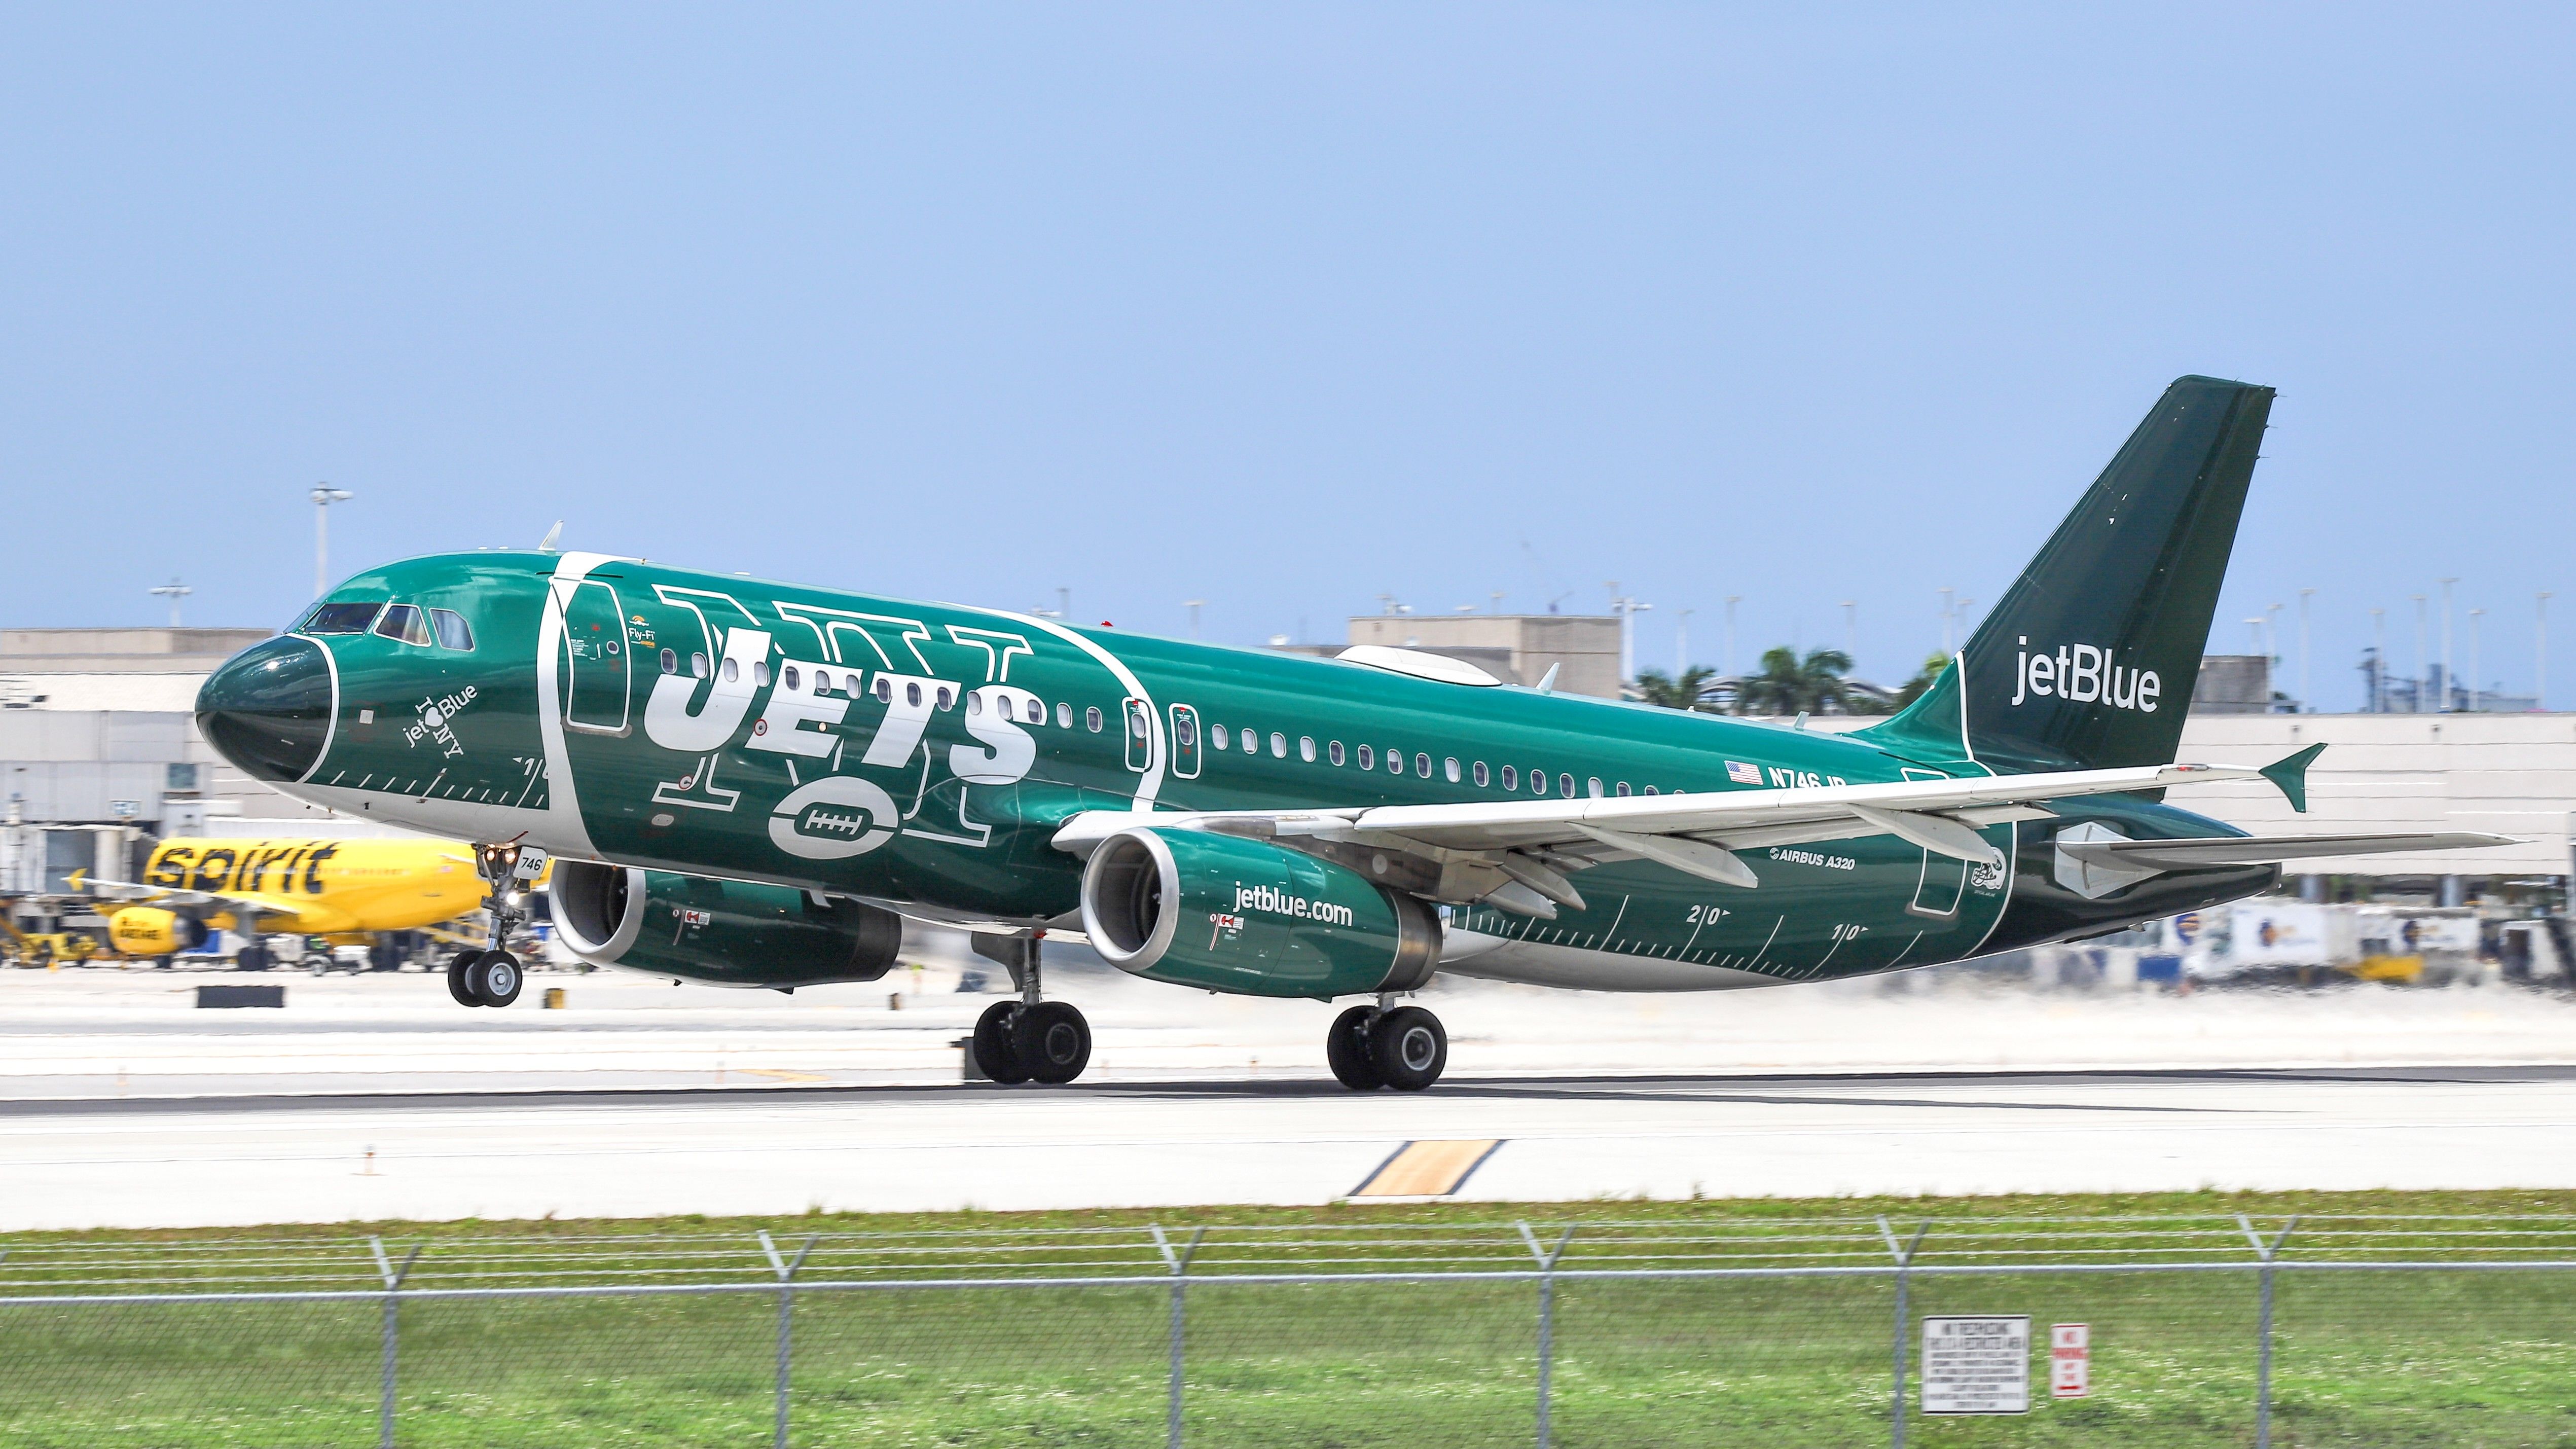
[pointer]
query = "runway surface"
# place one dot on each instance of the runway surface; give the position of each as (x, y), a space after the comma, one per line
(373, 1099)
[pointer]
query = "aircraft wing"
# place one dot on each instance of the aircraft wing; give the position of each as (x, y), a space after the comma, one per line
(282, 912)
(2267, 849)
(1533, 841)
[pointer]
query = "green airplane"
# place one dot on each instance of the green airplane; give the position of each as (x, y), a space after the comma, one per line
(747, 783)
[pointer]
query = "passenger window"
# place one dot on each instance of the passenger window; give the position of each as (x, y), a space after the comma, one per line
(1335, 751)
(670, 662)
(1091, 717)
(403, 622)
(1064, 717)
(1651, 790)
(1480, 773)
(1136, 720)
(1306, 748)
(885, 689)
(975, 705)
(1593, 786)
(1037, 713)
(1449, 767)
(823, 682)
(759, 671)
(912, 696)
(732, 670)
(1221, 737)
(947, 696)
(1368, 758)
(455, 633)
(1185, 730)
(1394, 760)
(1278, 745)
(791, 677)
(342, 618)
(1565, 786)
(697, 666)
(1511, 778)
(1623, 787)
(1538, 782)
(1422, 766)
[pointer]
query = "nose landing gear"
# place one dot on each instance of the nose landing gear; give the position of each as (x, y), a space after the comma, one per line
(1029, 1039)
(1371, 1047)
(493, 978)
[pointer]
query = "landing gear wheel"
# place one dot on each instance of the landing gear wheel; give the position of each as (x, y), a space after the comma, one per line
(1346, 1047)
(995, 1056)
(495, 978)
(457, 980)
(1052, 1040)
(1408, 1048)
(252, 958)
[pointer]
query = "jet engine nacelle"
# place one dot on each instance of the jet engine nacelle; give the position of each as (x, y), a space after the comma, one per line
(1247, 916)
(720, 932)
(151, 931)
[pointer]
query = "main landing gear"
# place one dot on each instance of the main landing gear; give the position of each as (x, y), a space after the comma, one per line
(493, 978)
(1375, 1046)
(1028, 1040)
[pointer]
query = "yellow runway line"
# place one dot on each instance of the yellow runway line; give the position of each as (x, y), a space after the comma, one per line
(1427, 1169)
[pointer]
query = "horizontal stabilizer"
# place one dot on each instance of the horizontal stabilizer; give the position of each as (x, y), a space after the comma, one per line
(2267, 849)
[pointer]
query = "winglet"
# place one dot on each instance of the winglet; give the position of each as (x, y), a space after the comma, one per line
(2291, 774)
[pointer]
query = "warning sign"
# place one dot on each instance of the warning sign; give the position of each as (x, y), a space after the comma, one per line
(1976, 1365)
(2070, 1361)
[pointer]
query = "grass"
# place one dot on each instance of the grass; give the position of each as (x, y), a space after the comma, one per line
(2431, 1358)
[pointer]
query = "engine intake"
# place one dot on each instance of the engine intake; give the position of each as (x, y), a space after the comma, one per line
(1251, 917)
(720, 932)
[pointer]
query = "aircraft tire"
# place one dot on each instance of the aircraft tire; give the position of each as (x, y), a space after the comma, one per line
(495, 978)
(1052, 1040)
(1408, 1048)
(1346, 1048)
(252, 958)
(995, 1056)
(457, 985)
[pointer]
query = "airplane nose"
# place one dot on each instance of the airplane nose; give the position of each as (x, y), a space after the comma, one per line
(268, 709)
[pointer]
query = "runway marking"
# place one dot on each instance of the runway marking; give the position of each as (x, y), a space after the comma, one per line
(1428, 1169)
(781, 1074)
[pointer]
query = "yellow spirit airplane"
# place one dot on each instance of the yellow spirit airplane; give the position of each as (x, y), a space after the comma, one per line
(296, 887)
(753, 782)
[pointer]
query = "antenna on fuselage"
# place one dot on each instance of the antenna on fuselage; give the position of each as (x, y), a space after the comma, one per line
(1547, 683)
(547, 543)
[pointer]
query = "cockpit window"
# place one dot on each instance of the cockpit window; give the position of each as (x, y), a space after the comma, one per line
(403, 622)
(453, 631)
(342, 618)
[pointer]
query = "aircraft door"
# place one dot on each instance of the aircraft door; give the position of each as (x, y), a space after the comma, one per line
(1944, 878)
(598, 664)
(1185, 742)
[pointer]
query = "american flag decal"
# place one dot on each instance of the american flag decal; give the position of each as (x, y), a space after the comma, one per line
(1742, 773)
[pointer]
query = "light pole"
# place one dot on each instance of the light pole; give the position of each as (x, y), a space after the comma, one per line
(2540, 651)
(174, 591)
(2379, 661)
(2304, 696)
(2421, 668)
(2477, 657)
(1949, 645)
(2442, 702)
(323, 496)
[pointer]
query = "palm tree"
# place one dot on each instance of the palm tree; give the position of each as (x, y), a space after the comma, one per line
(1913, 690)
(1654, 686)
(1790, 685)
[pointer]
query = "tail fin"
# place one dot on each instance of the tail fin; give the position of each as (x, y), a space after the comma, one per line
(2089, 661)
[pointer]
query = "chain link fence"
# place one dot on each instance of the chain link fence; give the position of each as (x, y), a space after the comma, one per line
(1758, 1332)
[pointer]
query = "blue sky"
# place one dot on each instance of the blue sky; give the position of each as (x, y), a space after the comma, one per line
(1286, 308)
